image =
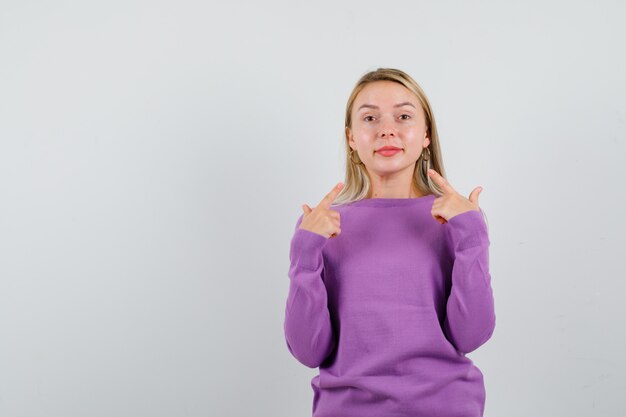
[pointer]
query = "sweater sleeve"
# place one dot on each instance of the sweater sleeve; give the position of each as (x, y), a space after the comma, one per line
(470, 313)
(307, 325)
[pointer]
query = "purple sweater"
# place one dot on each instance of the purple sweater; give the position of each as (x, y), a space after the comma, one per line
(389, 308)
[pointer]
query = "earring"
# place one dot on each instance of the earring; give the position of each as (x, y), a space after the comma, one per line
(426, 165)
(357, 155)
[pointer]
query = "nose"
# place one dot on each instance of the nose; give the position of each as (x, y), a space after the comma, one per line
(387, 130)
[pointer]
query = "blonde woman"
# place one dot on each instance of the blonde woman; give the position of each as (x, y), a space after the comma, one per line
(389, 277)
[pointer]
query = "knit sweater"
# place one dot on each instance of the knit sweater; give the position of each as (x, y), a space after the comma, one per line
(389, 308)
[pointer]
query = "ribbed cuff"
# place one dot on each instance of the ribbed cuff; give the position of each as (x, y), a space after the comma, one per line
(468, 229)
(306, 249)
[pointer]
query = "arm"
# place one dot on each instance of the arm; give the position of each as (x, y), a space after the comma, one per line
(470, 319)
(308, 329)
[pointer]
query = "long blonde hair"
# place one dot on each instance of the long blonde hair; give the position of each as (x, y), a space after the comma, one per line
(357, 182)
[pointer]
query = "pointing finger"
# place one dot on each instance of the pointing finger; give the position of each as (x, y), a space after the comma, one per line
(330, 197)
(441, 181)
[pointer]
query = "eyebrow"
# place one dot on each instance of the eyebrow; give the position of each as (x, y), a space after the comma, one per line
(406, 103)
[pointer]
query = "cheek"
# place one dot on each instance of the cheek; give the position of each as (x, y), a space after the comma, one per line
(363, 133)
(414, 133)
(413, 127)
(365, 128)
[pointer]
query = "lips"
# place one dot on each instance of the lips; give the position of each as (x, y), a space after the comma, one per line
(389, 148)
(388, 151)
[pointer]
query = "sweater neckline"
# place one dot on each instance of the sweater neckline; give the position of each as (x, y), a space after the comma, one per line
(391, 202)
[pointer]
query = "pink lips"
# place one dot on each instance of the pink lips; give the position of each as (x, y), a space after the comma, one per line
(388, 150)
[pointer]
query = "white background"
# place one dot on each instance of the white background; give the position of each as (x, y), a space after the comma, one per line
(154, 156)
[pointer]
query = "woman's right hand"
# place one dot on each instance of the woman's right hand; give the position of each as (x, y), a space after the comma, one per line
(322, 219)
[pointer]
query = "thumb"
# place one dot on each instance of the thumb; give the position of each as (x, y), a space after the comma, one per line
(474, 194)
(306, 209)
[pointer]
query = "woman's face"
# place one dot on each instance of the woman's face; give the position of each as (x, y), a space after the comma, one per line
(385, 113)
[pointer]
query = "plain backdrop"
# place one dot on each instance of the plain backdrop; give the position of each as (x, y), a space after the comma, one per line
(154, 157)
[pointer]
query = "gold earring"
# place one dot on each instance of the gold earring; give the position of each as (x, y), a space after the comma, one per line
(357, 155)
(425, 156)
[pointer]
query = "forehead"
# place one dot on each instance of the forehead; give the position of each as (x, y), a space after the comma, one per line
(384, 93)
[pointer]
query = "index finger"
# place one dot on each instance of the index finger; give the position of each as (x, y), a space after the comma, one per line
(330, 197)
(441, 181)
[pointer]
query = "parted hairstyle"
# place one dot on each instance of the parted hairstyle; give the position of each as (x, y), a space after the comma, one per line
(357, 182)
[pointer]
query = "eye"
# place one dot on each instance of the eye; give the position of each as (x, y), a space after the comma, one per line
(366, 117)
(408, 117)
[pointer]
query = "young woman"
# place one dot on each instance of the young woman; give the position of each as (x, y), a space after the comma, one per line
(389, 277)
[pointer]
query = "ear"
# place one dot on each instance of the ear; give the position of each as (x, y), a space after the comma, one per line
(350, 138)
(426, 139)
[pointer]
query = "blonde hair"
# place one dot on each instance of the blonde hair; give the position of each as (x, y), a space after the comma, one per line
(357, 182)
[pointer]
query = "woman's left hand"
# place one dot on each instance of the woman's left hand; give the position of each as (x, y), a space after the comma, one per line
(451, 203)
